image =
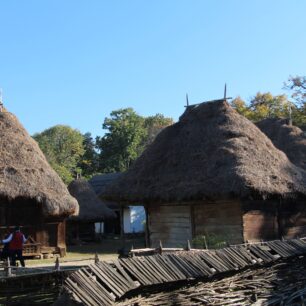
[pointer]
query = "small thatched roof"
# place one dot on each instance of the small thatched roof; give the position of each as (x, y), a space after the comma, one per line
(25, 172)
(287, 138)
(211, 153)
(100, 182)
(91, 207)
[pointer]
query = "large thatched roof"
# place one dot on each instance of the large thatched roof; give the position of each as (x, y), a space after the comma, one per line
(99, 184)
(289, 139)
(91, 207)
(211, 153)
(25, 172)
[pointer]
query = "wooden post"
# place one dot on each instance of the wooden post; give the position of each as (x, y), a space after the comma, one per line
(57, 265)
(96, 258)
(205, 242)
(147, 233)
(121, 221)
(8, 268)
(160, 249)
(188, 248)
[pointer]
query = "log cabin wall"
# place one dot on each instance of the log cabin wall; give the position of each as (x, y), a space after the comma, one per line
(169, 224)
(292, 219)
(222, 220)
(260, 220)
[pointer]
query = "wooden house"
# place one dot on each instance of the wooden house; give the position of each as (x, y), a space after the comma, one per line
(92, 210)
(31, 193)
(287, 138)
(214, 173)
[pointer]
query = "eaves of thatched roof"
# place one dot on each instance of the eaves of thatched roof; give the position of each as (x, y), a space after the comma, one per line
(287, 138)
(99, 184)
(211, 153)
(91, 207)
(26, 174)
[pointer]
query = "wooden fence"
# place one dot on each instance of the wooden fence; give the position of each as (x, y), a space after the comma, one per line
(105, 283)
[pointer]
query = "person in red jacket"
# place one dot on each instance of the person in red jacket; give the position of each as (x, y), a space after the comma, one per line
(16, 241)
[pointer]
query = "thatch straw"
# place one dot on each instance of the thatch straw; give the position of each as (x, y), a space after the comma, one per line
(91, 207)
(25, 172)
(289, 139)
(100, 182)
(211, 153)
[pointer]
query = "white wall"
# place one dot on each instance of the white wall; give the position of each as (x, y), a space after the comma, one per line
(99, 227)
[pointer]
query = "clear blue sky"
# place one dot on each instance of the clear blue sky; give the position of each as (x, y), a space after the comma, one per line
(73, 62)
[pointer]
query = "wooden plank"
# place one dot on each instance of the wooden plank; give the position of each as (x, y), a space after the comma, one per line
(124, 274)
(107, 280)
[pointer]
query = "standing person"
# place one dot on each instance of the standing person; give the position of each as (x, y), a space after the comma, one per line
(16, 241)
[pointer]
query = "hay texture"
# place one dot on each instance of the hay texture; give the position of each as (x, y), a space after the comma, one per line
(91, 207)
(289, 139)
(211, 153)
(26, 174)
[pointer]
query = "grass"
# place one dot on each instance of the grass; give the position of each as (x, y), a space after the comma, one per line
(107, 249)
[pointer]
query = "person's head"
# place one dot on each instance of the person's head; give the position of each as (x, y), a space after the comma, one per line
(17, 228)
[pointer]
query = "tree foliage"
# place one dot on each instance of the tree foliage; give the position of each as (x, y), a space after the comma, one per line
(127, 135)
(265, 105)
(63, 148)
(89, 161)
(122, 144)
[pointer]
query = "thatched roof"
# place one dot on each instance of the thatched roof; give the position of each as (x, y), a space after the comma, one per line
(211, 153)
(25, 172)
(99, 184)
(289, 139)
(91, 207)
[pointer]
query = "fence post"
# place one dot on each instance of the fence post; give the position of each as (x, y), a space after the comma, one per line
(188, 248)
(96, 258)
(205, 242)
(8, 268)
(57, 265)
(160, 249)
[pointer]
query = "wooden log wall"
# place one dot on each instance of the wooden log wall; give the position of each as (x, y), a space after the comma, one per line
(221, 219)
(292, 219)
(260, 220)
(171, 224)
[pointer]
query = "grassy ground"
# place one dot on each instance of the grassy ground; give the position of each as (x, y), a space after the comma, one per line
(107, 249)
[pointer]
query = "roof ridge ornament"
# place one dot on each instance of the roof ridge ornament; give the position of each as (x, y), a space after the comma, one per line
(225, 98)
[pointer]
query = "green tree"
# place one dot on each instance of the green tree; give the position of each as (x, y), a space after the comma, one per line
(89, 160)
(63, 148)
(263, 105)
(127, 136)
(123, 142)
(241, 107)
(297, 87)
(155, 124)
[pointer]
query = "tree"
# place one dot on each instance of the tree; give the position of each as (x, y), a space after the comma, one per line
(63, 148)
(241, 107)
(263, 105)
(155, 124)
(123, 142)
(297, 86)
(89, 160)
(128, 135)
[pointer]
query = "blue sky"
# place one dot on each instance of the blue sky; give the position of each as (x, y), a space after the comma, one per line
(73, 62)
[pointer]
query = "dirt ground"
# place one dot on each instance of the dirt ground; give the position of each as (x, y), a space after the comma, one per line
(84, 254)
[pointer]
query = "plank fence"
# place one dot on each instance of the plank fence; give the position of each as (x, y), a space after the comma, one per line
(105, 283)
